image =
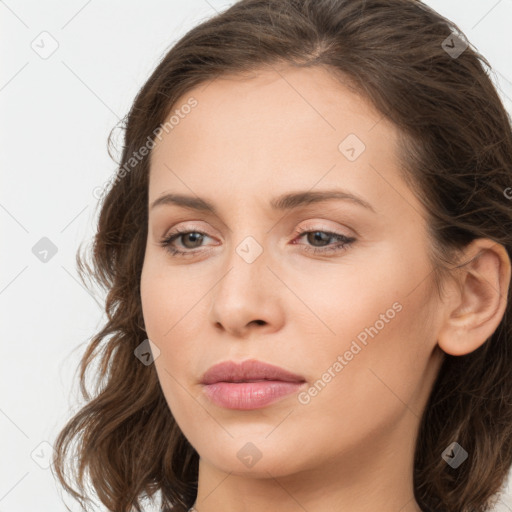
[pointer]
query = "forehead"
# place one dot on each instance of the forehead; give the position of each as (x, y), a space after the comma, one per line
(272, 110)
(277, 130)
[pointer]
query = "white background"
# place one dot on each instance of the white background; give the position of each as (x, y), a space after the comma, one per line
(56, 116)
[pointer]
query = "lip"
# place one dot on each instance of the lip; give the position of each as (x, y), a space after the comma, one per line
(250, 384)
(249, 370)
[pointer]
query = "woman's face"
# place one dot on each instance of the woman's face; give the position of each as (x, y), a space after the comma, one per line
(356, 319)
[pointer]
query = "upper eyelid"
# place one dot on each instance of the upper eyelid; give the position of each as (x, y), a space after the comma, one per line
(317, 220)
(317, 226)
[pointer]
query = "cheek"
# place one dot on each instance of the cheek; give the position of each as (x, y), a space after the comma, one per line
(169, 301)
(376, 384)
(165, 316)
(376, 334)
(385, 365)
(175, 316)
(153, 300)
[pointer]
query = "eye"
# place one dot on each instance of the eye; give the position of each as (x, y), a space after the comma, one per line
(323, 237)
(192, 240)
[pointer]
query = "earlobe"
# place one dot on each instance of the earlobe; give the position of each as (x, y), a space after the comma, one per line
(481, 299)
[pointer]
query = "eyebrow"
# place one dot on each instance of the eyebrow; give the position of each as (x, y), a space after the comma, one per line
(284, 202)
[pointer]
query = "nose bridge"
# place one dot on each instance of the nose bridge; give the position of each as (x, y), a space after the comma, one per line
(246, 293)
(246, 266)
(248, 242)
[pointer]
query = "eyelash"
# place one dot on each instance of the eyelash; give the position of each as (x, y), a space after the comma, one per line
(344, 242)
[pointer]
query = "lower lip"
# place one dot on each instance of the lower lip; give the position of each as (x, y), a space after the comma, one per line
(249, 395)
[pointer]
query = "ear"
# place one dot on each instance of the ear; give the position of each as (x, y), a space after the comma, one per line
(477, 306)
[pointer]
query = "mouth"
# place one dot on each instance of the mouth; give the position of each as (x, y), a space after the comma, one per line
(250, 370)
(250, 384)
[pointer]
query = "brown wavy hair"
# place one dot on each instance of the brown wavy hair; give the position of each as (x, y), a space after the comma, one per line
(456, 155)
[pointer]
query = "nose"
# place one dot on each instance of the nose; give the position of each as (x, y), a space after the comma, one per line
(247, 297)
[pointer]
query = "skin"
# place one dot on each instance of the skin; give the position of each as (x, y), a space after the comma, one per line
(351, 447)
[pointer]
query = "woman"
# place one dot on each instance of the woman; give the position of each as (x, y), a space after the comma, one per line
(307, 257)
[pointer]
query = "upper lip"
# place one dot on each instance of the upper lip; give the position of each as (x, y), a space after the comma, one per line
(245, 371)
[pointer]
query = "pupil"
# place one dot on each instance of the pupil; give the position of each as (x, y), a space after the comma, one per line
(191, 237)
(317, 236)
